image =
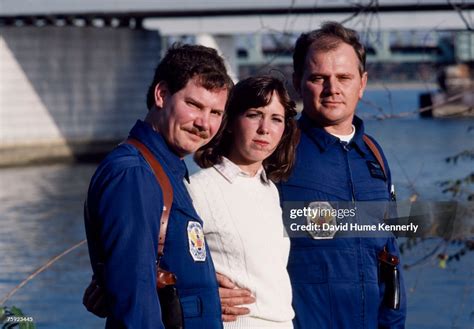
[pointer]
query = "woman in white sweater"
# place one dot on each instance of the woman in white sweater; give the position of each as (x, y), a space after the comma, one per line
(238, 202)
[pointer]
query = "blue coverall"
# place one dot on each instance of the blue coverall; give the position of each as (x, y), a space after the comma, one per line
(125, 204)
(335, 281)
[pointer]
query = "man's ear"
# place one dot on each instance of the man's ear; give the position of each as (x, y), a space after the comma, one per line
(363, 84)
(296, 83)
(161, 92)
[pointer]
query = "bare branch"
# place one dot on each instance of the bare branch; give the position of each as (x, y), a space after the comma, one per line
(361, 9)
(41, 269)
(461, 15)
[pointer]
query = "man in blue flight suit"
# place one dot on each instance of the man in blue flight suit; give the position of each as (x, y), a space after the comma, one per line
(186, 101)
(335, 282)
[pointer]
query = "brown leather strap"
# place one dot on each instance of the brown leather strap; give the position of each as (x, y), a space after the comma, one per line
(166, 188)
(375, 152)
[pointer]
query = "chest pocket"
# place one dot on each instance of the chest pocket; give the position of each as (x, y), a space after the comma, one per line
(370, 182)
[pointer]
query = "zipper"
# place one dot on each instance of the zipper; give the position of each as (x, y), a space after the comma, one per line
(346, 148)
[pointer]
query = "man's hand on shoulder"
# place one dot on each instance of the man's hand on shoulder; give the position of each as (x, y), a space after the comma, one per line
(232, 297)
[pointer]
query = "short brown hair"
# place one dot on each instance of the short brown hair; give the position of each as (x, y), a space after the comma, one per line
(328, 37)
(183, 62)
(255, 92)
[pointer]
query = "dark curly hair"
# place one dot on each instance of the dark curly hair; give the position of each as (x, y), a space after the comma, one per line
(328, 37)
(255, 92)
(183, 62)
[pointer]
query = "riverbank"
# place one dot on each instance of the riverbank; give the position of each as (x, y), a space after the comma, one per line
(54, 152)
(422, 86)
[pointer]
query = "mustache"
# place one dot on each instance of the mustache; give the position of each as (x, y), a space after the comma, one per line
(331, 99)
(201, 133)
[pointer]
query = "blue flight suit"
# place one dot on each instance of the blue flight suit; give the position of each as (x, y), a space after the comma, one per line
(125, 204)
(335, 282)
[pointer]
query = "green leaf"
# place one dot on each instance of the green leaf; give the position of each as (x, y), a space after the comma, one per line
(442, 263)
(16, 311)
(3, 315)
(27, 325)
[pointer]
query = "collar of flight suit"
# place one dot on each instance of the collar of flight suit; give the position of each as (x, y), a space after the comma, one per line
(325, 140)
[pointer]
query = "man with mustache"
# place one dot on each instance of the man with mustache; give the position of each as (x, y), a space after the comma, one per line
(186, 101)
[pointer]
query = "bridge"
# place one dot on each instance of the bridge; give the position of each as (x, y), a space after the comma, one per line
(211, 15)
(73, 73)
(207, 19)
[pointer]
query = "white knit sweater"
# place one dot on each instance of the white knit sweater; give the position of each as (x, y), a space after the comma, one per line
(244, 231)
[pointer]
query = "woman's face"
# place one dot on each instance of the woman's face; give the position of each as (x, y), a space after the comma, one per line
(257, 133)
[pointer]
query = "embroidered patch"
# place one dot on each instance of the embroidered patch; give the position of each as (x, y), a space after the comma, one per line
(197, 246)
(323, 220)
(375, 170)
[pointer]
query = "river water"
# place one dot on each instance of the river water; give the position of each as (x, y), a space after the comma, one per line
(41, 216)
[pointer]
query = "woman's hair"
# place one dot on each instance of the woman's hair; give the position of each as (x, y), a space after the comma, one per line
(255, 92)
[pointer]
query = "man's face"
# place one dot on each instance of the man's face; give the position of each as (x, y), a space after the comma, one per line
(331, 86)
(190, 117)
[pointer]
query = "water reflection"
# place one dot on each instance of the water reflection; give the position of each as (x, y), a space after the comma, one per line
(41, 211)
